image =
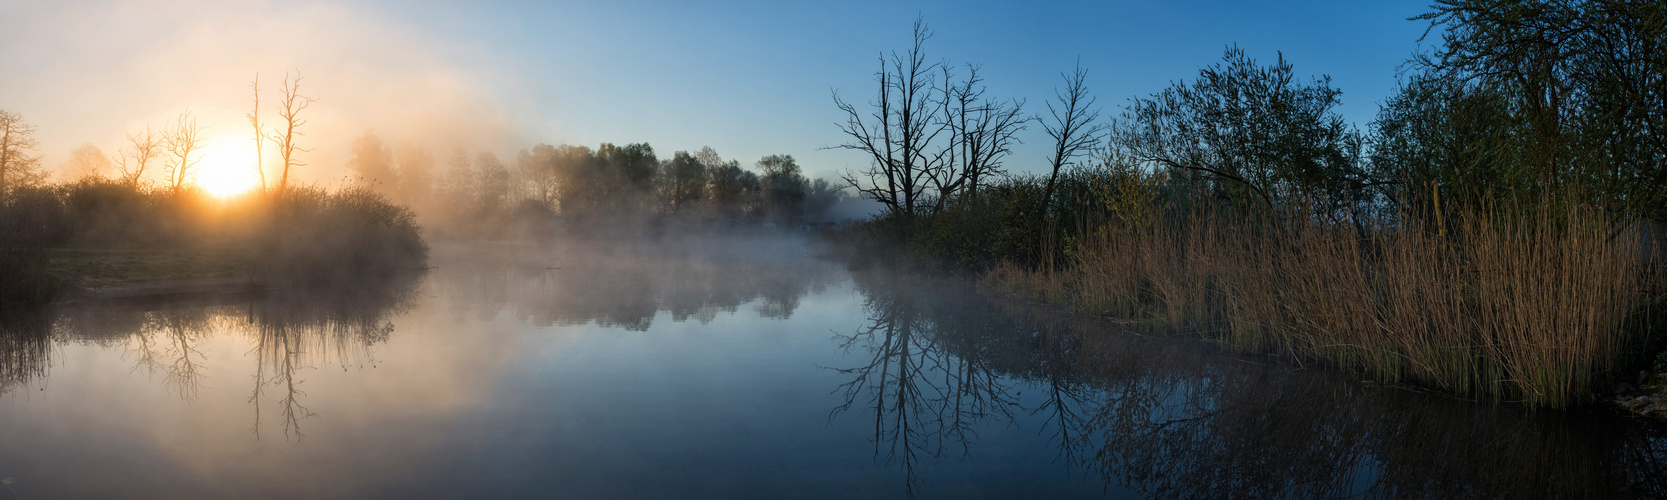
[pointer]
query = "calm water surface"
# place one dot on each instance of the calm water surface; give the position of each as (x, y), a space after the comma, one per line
(745, 369)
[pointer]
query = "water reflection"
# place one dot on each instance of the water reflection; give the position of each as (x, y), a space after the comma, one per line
(1167, 418)
(529, 370)
(626, 284)
(291, 330)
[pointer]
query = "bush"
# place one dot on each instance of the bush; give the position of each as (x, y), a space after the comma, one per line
(349, 236)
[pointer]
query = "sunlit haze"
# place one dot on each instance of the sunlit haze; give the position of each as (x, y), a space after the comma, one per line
(745, 78)
(226, 167)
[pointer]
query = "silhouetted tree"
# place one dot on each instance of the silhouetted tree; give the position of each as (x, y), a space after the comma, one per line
(685, 181)
(85, 162)
(1577, 88)
(183, 139)
(1074, 128)
(136, 158)
(897, 134)
(19, 167)
(784, 187)
(983, 130)
(260, 140)
(416, 174)
(540, 175)
(287, 137)
(1248, 132)
(733, 189)
(373, 163)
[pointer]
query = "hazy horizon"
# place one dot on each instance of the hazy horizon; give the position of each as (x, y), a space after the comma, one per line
(745, 79)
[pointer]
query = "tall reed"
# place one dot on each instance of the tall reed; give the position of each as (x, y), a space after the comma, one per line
(1530, 306)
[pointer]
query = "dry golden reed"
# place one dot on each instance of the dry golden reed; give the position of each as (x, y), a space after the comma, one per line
(1531, 308)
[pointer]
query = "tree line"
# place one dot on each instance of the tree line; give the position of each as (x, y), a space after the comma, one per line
(1492, 232)
(585, 187)
(1521, 102)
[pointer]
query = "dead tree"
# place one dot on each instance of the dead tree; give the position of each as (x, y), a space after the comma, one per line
(983, 131)
(183, 139)
(1073, 128)
(898, 132)
(142, 149)
(285, 139)
(254, 122)
(17, 166)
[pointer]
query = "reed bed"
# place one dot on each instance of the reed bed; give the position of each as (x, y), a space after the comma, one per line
(1530, 306)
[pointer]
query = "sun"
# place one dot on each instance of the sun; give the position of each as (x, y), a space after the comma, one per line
(227, 167)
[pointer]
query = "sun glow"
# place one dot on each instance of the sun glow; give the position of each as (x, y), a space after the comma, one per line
(228, 167)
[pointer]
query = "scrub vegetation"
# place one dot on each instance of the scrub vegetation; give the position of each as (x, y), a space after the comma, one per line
(1493, 233)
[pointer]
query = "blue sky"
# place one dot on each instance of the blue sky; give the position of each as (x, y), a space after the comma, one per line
(746, 78)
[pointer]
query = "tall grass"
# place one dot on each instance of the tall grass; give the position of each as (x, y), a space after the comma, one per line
(1533, 306)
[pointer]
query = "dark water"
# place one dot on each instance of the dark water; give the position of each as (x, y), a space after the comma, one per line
(737, 370)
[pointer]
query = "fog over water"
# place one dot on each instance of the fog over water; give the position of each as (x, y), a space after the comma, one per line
(745, 367)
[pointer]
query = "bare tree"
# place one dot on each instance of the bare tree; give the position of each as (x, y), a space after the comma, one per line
(982, 131)
(17, 166)
(141, 150)
(86, 161)
(183, 139)
(285, 139)
(254, 122)
(1074, 127)
(897, 134)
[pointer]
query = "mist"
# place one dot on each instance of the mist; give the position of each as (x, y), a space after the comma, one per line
(373, 249)
(101, 70)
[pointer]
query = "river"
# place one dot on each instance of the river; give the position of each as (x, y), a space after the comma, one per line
(728, 369)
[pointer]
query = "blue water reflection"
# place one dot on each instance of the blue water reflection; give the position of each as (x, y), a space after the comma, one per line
(726, 370)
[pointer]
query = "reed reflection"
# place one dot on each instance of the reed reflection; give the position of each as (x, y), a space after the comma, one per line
(1170, 418)
(25, 347)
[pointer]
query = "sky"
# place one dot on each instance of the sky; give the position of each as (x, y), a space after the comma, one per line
(746, 78)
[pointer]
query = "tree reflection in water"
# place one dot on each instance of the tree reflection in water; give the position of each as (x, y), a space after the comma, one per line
(1171, 418)
(291, 330)
(303, 330)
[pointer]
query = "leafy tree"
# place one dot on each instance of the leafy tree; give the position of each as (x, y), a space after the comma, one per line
(373, 164)
(685, 181)
(1579, 90)
(1248, 133)
(415, 174)
(784, 187)
(540, 174)
(85, 162)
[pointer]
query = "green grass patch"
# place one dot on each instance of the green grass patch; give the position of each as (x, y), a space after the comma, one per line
(101, 267)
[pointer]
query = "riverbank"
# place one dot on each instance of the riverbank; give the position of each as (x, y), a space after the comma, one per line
(1534, 309)
(64, 240)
